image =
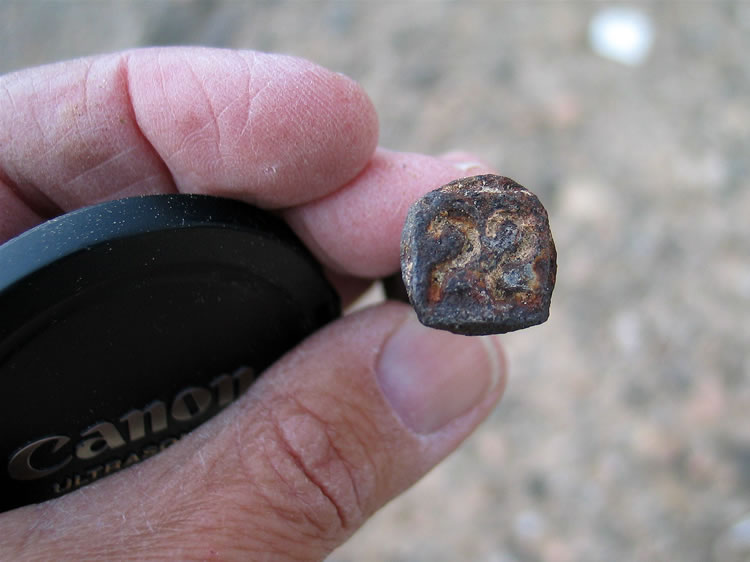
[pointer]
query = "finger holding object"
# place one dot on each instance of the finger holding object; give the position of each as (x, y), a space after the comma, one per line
(477, 257)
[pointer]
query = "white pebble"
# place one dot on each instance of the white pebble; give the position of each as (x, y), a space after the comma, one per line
(624, 35)
(529, 525)
(734, 544)
(627, 331)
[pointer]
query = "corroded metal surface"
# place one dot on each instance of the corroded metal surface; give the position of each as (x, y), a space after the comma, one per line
(477, 257)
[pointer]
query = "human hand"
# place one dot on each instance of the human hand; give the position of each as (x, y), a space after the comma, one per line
(340, 425)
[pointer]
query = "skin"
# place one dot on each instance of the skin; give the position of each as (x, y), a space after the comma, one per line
(321, 441)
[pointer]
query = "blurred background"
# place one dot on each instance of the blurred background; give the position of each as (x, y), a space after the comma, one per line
(625, 429)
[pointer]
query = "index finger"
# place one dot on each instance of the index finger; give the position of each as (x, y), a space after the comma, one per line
(268, 129)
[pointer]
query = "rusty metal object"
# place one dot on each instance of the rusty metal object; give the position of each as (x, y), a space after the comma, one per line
(477, 257)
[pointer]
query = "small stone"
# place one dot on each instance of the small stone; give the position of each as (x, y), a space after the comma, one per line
(621, 34)
(477, 257)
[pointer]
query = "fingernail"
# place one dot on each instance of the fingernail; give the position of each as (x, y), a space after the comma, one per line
(466, 166)
(463, 161)
(431, 377)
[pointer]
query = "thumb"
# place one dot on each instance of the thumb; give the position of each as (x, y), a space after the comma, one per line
(333, 431)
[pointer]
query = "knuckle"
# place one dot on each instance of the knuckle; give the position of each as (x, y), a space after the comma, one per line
(321, 459)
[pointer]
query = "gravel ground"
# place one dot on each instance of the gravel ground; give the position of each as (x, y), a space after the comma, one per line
(625, 430)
